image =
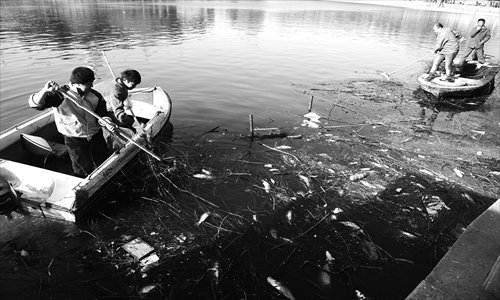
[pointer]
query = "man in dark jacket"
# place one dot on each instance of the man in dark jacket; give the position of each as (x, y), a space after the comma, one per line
(81, 130)
(479, 35)
(117, 100)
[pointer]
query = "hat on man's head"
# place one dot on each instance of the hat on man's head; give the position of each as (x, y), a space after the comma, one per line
(82, 75)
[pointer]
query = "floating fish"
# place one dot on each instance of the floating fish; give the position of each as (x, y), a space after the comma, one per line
(305, 180)
(355, 228)
(204, 176)
(203, 217)
(147, 289)
(288, 216)
(281, 288)
(357, 176)
(206, 172)
(329, 257)
(337, 210)
(214, 272)
(370, 249)
(274, 233)
(267, 186)
(283, 147)
(458, 172)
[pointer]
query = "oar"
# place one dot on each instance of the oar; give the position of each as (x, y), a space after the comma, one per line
(118, 130)
(388, 75)
(129, 106)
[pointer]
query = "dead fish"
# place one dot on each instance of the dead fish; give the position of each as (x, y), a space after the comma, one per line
(204, 176)
(147, 289)
(288, 216)
(458, 172)
(203, 217)
(283, 147)
(214, 272)
(305, 180)
(206, 172)
(281, 288)
(267, 186)
(351, 225)
(370, 249)
(325, 278)
(357, 176)
(329, 257)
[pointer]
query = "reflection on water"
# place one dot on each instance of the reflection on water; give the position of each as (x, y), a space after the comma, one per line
(219, 60)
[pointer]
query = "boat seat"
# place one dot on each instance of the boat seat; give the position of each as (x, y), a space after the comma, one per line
(39, 146)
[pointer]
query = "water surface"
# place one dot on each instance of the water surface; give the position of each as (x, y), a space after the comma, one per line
(219, 60)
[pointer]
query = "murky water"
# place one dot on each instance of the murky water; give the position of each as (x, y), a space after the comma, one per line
(219, 60)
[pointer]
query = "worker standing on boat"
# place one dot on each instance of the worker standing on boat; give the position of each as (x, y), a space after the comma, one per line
(81, 131)
(447, 46)
(117, 100)
(479, 35)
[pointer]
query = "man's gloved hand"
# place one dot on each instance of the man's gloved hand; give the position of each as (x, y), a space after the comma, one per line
(108, 124)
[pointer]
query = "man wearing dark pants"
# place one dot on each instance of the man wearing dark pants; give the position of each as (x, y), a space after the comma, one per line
(479, 35)
(81, 130)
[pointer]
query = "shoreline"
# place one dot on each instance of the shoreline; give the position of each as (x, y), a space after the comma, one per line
(422, 5)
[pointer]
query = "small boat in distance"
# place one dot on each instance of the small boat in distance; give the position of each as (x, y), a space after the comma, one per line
(34, 162)
(476, 79)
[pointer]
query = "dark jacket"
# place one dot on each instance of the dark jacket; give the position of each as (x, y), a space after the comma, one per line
(478, 37)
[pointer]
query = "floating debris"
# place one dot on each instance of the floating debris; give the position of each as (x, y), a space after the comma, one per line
(203, 217)
(433, 205)
(274, 233)
(298, 136)
(310, 124)
(399, 190)
(281, 288)
(138, 248)
(313, 117)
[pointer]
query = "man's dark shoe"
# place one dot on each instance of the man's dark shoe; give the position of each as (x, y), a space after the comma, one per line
(430, 77)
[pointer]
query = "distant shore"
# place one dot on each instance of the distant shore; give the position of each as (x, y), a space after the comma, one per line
(427, 5)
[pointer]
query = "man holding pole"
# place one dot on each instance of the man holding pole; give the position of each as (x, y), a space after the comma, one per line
(446, 49)
(81, 130)
(118, 98)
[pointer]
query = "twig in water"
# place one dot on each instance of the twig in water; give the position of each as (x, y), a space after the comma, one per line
(188, 192)
(281, 152)
(50, 264)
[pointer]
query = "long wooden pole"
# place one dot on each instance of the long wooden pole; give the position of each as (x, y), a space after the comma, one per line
(119, 131)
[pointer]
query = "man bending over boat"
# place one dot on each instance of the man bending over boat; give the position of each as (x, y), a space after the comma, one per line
(479, 35)
(81, 130)
(117, 100)
(447, 46)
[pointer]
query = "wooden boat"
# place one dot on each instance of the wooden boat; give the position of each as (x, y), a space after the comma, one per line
(33, 160)
(476, 79)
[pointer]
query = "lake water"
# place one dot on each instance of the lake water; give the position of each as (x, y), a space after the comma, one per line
(219, 60)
